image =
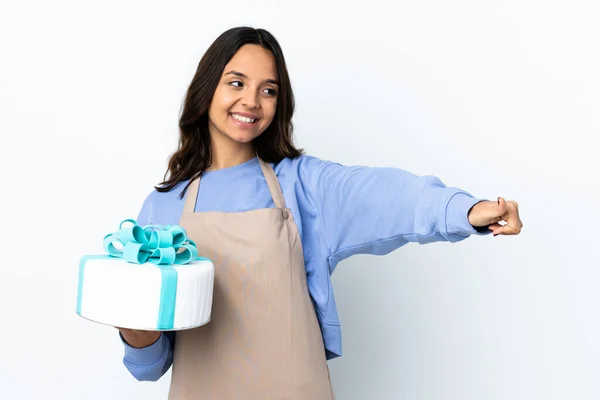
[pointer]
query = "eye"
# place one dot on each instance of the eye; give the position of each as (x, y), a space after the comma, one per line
(236, 84)
(270, 92)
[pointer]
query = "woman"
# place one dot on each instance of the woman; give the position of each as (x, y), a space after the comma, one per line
(276, 223)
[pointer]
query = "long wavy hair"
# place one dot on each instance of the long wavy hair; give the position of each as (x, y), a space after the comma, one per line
(193, 155)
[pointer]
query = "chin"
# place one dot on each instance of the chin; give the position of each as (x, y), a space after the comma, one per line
(242, 139)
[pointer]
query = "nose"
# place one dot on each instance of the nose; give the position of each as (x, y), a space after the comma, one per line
(250, 99)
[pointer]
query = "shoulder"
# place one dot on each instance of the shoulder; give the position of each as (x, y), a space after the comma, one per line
(304, 168)
(158, 205)
(174, 194)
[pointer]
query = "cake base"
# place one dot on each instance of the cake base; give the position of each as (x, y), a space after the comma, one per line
(145, 296)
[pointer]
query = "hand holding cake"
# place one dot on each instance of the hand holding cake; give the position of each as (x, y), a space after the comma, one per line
(139, 338)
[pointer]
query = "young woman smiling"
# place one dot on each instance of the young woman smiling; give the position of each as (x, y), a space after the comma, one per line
(276, 222)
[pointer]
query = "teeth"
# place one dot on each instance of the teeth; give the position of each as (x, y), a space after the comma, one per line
(242, 119)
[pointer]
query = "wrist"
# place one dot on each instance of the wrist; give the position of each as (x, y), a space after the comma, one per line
(477, 227)
(139, 339)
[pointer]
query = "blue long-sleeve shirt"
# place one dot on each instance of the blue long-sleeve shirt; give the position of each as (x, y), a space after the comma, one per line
(340, 211)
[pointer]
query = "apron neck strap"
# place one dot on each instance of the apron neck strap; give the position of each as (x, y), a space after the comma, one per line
(273, 184)
(270, 177)
(190, 196)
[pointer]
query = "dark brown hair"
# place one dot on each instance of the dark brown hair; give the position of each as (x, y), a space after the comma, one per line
(193, 155)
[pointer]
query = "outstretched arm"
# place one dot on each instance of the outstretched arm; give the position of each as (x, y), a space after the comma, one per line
(365, 210)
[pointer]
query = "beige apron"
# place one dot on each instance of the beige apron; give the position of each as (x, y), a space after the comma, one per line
(263, 340)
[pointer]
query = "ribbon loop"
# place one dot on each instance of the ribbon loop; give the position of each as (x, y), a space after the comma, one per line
(160, 245)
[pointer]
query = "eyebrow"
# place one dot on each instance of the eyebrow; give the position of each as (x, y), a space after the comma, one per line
(236, 73)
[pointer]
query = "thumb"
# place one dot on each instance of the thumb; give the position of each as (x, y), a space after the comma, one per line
(498, 213)
(502, 208)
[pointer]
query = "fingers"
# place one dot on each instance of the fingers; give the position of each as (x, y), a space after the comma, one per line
(506, 229)
(495, 228)
(509, 213)
(513, 223)
(513, 218)
(516, 216)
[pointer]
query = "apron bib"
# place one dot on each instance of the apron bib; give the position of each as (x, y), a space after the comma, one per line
(263, 340)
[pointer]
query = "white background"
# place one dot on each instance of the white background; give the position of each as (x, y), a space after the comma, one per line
(500, 98)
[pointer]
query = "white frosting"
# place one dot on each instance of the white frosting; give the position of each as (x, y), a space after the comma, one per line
(126, 295)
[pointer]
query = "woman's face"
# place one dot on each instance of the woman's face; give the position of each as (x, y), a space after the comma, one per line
(245, 100)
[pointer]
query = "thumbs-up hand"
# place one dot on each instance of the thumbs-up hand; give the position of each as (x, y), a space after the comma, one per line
(492, 213)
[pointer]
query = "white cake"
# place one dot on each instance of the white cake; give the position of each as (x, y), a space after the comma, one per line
(145, 296)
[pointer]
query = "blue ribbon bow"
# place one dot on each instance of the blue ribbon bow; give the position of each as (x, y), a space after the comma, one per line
(161, 245)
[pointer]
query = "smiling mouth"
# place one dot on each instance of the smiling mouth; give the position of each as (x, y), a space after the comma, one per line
(243, 119)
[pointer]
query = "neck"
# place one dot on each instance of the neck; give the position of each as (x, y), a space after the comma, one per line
(227, 153)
